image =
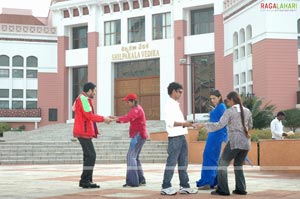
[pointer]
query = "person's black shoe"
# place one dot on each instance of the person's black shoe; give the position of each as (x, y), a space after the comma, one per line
(143, 183)
(239, 192)
(88, 185)
(217, 192)
(127, 185)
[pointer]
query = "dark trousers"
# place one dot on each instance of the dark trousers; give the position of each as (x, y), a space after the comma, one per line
(177, 153)
(239, 156)
(89, 159)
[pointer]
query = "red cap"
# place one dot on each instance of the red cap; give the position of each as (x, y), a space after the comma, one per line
(130, 96)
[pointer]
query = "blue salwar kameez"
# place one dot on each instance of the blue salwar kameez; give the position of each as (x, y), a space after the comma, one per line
(212, 150)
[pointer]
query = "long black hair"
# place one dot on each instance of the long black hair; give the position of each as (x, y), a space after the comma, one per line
(217, 93)
(237, 100)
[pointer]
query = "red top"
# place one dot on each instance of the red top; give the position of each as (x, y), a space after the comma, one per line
(137, 119)
(85, 119)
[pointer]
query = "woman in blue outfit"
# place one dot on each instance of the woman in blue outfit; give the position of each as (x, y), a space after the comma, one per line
(213, 145)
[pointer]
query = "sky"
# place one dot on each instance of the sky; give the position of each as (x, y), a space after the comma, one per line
(39, 8)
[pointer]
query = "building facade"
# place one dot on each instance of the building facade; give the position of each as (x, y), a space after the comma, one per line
(141, 46)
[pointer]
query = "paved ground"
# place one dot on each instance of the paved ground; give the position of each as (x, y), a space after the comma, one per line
(61, 182)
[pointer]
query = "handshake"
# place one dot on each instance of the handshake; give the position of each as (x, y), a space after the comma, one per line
(192, 124)
(110, 119)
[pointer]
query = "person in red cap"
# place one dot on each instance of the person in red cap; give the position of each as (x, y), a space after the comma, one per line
(138, 134)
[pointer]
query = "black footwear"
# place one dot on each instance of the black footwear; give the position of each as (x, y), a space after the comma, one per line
(127, 185)
(88, 185)
(239, 192)
(217, 192)
(143, 183)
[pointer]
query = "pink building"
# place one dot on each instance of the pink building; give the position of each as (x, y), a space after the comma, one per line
(141, 46)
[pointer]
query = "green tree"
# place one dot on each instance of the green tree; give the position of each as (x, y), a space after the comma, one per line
(292, 120)
(262, 115)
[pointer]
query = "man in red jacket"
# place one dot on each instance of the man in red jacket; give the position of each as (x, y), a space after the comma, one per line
(85, 129)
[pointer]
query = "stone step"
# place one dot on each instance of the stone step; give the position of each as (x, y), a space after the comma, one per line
(68, 152)
(75, 161)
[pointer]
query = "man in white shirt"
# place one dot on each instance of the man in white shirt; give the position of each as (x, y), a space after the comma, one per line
(277, 127)
(177, 145)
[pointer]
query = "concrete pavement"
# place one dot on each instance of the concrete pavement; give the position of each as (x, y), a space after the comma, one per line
(61, 182)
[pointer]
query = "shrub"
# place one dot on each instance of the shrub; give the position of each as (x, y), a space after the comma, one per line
(4, 127)
(257, 134)
(22, 127)
(202, 134)
(261, 115)
(292, 120)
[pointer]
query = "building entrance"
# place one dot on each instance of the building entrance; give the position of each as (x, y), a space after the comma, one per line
(141, 78)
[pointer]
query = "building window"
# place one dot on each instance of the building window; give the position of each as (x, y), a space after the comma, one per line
(16, 73)
(4, 73)
(80, 37)
(249, 32)
(136, 29)
(242, 36)
(133, 69)
(31, 104)
(236, 54)
(85, 11)
(242, 52)
(4, 104)
(75, 12)
(249, 75)
(112, 32)
(4, 93)
(243, 78)
(17, 93)
(202, 21)
(31, 93)
(4, 60)
(32, 61)
(236, 80)
(298, 26)
(204, 81)
(17, 104)
(31, 74)
(66, 14)
(79, 77)
(18, 61)
(161, 28)
(235, 39)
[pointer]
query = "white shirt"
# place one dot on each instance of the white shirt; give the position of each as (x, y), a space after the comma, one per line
(276, 129)
(174, 114)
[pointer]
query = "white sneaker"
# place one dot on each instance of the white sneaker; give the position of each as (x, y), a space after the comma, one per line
(187, 190)
(168, 191)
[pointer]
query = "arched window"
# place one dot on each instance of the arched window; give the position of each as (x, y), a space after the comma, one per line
(18, 61)
(4, 60)
(249, 32)
(242, 36)
(235, 39)
(31, 61)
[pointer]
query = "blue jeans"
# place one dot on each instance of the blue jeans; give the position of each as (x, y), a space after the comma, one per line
(177, 153)
(135, 174)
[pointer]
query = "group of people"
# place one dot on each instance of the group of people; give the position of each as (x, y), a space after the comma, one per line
(230, 125)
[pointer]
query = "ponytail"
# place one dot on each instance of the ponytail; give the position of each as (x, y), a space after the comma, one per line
(237, 100)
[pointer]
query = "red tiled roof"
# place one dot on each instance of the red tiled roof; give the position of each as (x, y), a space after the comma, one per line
(19, 19)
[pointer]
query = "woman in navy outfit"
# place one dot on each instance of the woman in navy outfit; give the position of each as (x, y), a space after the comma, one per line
(213, 145)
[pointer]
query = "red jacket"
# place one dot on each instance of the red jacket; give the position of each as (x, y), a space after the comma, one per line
(137, 119)
(85, 119)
